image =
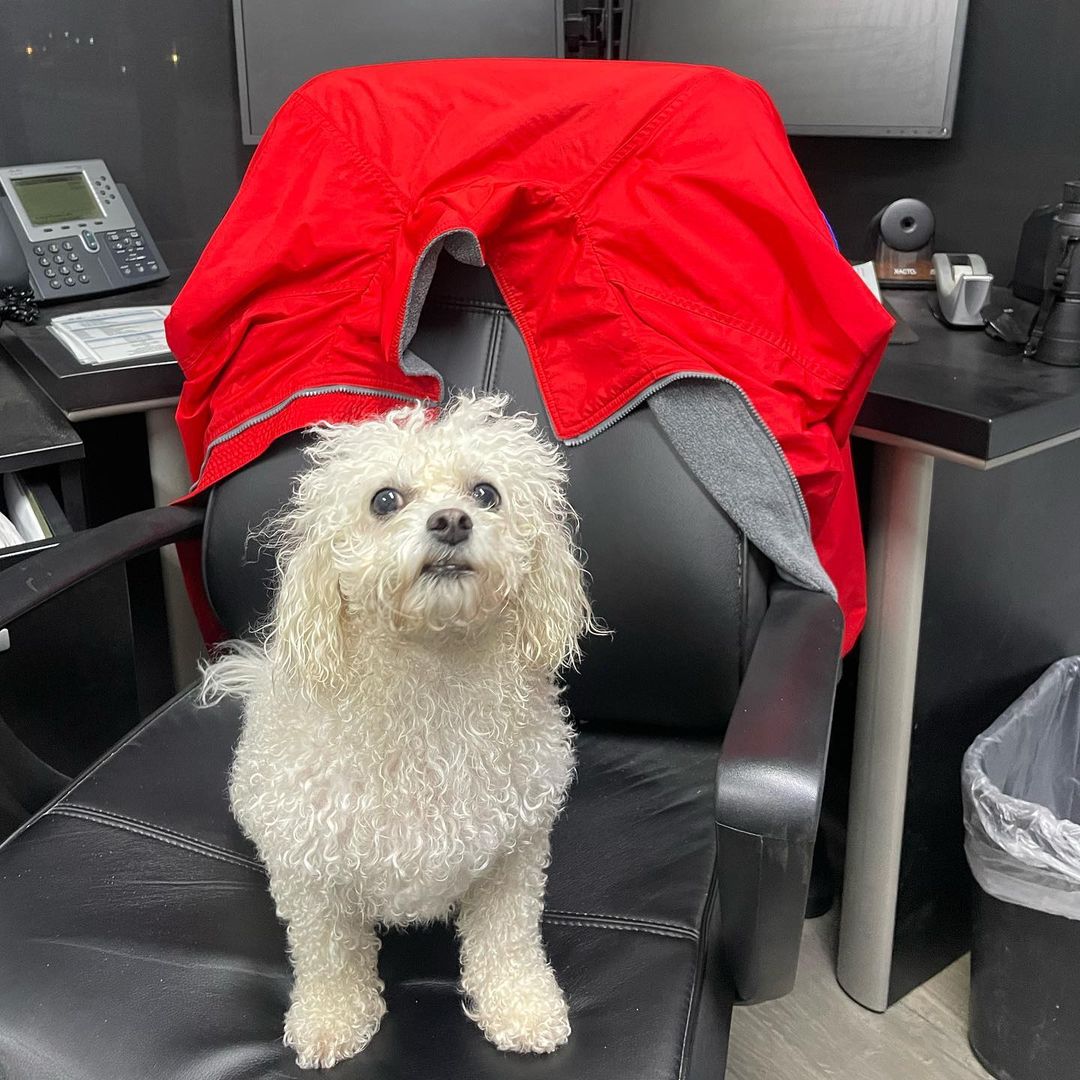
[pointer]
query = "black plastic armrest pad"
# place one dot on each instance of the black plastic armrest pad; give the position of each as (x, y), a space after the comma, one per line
(769, 781)
(39, 577)
(773, 758)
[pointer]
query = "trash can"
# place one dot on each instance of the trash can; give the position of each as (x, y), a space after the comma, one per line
(1021, 787)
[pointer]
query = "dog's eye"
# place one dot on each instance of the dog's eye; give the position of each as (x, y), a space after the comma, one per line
(486, 495)
(386, 501)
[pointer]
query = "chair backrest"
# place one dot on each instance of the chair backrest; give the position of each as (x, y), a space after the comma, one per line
(671, 576)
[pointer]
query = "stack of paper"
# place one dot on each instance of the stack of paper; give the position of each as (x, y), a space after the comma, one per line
(9, 535)
(25, 521)
(113, 334)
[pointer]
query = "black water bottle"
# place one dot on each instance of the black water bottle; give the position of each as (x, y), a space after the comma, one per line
(1055, 334)
(1066, 227)
(1060, 343)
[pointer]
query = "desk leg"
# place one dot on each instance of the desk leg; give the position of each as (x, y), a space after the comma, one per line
(896, 563)
(170, 478)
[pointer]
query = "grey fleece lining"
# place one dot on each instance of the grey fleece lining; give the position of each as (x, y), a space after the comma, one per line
(735, 460)
(464, 245)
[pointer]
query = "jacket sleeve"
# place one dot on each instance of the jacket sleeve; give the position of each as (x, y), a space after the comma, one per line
(283, 273)
(752, 282)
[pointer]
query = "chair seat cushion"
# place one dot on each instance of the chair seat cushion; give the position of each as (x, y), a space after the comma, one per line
(138, 939)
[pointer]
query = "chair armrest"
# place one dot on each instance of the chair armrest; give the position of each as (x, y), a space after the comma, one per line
(39, 577)
(768, 789)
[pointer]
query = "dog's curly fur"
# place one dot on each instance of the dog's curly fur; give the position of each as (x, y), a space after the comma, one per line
(404, 751)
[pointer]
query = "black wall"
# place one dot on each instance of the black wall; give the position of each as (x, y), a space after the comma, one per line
(170, 130)
(80, 79)
(1017, 138)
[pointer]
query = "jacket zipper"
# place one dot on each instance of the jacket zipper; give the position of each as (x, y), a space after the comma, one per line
(634, 402)
(315, 391)
(659, 385)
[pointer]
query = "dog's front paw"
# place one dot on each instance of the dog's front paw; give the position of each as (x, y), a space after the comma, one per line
(329, 1027)
(524, 1012)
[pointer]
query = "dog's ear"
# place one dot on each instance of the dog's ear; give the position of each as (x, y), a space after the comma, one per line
(307, 630)
(553, 609)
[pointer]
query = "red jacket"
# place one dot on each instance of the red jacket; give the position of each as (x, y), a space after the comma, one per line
(641, 220)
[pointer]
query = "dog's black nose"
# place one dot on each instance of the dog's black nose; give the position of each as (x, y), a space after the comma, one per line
(450, 526)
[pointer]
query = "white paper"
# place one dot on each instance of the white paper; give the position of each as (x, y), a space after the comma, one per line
(20, 508)
(9, 535)
(113, 334)
(866, 271)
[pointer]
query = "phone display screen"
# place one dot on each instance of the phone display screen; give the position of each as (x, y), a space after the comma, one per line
(48, 200)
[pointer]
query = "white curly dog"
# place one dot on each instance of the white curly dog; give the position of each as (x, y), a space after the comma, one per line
(404, 751)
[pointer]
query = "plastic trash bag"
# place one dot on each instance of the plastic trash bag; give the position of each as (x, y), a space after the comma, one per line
(1021, 785)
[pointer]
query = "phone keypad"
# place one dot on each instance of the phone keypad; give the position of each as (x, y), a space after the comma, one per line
(64, 268)
(129, 249)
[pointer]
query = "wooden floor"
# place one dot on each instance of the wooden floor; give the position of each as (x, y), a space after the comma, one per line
(818, 1033)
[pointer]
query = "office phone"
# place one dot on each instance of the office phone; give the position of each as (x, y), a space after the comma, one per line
(77, 230)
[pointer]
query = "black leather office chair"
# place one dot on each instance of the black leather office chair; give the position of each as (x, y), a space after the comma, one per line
(137, 937)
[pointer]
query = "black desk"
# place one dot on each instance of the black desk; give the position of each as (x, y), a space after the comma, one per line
(85, 392)
(150, 386)
(33, 433)
(962, 396)
(974, 494)
(68, 721)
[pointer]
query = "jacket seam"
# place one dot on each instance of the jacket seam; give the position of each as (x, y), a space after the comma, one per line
(620, 400)
(357, 292)
(603, 411)
(115, 822)
(649, 126)
(752, 330)
(329, 343)
(367, 165)
(510, 294)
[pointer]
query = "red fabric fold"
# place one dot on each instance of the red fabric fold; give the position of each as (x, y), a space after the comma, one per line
(641, 219)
